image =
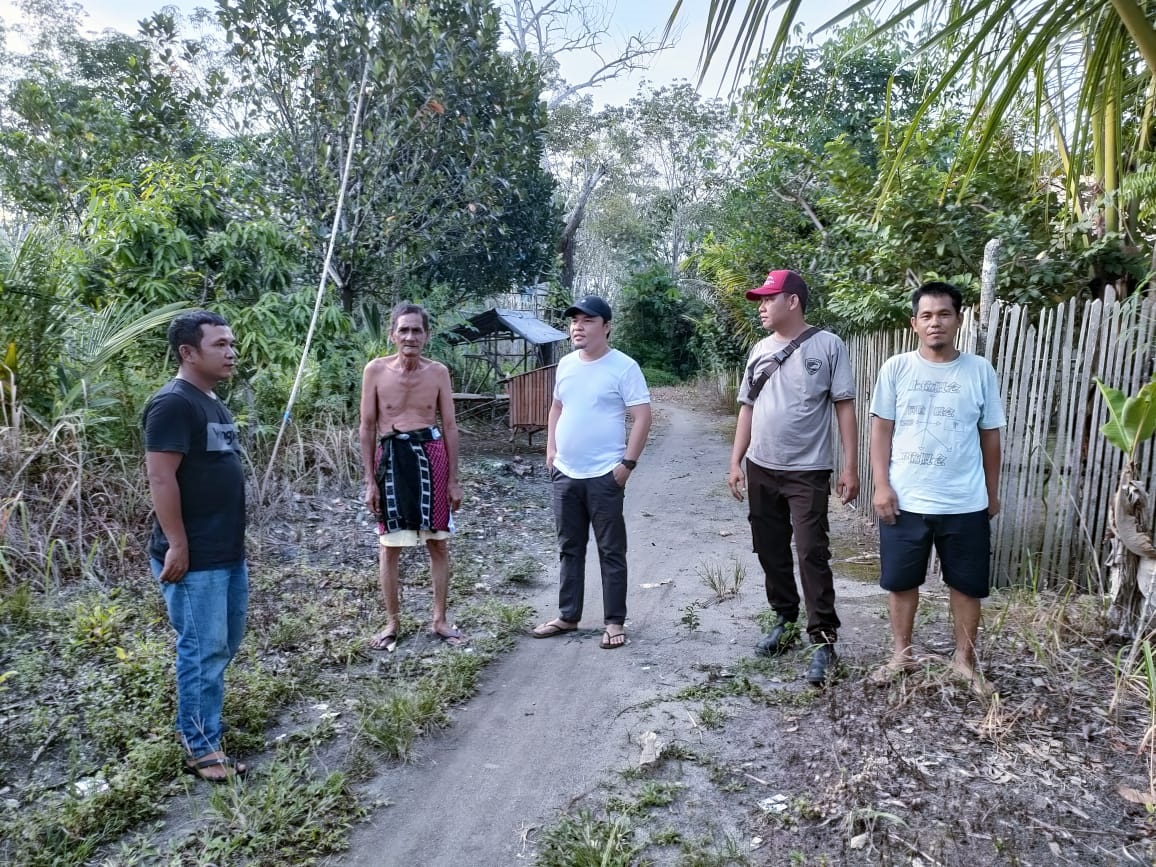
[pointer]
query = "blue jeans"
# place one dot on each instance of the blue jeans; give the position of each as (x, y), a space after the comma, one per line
(207, 610)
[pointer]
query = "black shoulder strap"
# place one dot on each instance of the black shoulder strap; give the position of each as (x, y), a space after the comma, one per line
(756, 384)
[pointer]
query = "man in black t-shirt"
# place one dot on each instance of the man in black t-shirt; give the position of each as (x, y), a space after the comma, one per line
(197, 546)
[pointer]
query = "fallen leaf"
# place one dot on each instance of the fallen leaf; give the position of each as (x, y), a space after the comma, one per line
(651, 749)
(860, 840)
(1135, 796)
(774, 804)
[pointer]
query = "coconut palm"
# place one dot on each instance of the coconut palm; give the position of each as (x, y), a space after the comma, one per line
(1085, 68)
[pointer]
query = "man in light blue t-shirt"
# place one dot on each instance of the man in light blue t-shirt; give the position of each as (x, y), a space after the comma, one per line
(936, 416)
(590, 461)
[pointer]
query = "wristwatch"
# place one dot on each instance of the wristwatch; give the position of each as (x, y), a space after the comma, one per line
(629, 464)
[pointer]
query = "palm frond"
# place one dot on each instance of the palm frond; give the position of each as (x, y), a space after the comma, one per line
(93, 340)
(1139, 186)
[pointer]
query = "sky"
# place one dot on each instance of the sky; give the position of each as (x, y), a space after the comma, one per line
(628, 17)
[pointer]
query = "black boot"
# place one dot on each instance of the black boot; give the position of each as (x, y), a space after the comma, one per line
(823, 662)
(781, 636)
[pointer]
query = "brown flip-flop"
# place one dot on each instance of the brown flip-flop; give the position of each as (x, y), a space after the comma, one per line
(383, 641)
(197, 767)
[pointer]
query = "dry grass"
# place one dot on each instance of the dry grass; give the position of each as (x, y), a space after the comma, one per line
(68, 513)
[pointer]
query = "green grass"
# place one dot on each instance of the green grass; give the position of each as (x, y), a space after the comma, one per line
(70, 829)
(287, 812)
(704, 852)
(585, 840)
(711, 716)
(523, 571)
(724, 581)
(690, 617)
(394, 715)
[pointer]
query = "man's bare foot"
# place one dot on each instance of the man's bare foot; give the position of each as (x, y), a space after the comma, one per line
(613, 637)
(895, 666)
(448, 634)
(975, 681)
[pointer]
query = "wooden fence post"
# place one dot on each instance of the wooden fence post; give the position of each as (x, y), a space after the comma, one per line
(987, 281)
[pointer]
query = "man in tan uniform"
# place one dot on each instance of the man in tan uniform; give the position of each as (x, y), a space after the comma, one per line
(795, 378)
(411, 465)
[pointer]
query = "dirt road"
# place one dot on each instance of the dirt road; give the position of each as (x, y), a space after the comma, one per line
(558, 717)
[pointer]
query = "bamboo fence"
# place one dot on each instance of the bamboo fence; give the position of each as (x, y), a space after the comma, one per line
(1059, 472)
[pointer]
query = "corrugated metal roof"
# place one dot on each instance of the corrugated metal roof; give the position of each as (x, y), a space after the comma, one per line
(497, 321)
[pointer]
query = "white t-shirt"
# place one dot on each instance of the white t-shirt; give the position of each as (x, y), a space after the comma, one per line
(591, 432)
(938, 409)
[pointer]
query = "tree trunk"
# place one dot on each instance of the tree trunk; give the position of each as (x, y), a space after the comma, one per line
(1131, 561)
(568, 243)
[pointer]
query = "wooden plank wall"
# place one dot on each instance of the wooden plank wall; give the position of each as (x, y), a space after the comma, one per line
(1059, 473)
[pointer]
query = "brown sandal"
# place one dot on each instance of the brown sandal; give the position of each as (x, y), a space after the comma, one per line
(195, 767)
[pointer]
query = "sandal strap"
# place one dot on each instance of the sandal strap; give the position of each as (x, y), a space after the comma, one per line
(201, 764)
(220, 761)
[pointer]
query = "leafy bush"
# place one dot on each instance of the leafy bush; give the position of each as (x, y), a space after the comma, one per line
(656, 377)
(655, 325)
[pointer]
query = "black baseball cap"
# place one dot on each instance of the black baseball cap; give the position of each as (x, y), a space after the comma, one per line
(591, 305)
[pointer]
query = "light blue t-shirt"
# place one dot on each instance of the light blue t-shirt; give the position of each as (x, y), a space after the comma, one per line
(938, 409)
(591, 432)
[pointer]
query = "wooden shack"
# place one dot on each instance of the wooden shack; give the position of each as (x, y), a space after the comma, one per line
(531, 394)
(520, 351)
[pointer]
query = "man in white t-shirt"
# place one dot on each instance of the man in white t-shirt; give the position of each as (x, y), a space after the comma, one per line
(936, 416)
(590, 461)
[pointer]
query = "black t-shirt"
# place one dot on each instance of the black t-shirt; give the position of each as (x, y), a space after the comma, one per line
(182, 418)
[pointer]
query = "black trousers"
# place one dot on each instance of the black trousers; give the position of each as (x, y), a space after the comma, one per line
(579, 505)
(783, 502)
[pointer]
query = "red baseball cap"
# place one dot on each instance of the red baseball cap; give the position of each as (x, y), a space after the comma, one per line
(777, 282)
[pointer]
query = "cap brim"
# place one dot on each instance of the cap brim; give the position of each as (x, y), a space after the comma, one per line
(760, 292)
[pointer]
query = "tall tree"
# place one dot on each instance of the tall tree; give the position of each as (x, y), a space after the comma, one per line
(824, 125)
(75, 108)
(685, 149)
(447, 184)
(552, 32)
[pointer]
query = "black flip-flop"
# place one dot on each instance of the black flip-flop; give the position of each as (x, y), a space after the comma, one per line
(553, 630)
(608, 643)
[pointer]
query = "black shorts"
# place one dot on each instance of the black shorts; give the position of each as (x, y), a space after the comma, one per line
(963, 543)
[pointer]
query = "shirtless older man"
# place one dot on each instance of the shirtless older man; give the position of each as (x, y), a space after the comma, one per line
(411, 466)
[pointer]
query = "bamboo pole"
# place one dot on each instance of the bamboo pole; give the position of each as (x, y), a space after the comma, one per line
(321, 283)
